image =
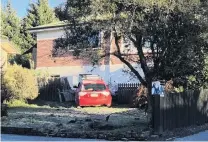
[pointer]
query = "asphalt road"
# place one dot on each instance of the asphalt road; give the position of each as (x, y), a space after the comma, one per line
(202, 136)
(11, 137)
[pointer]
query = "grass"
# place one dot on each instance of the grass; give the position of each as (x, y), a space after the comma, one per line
(22, 103)
(102, 110)
(65, 106)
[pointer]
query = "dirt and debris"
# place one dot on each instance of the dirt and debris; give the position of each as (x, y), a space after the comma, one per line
(88, 122)
(116, 123)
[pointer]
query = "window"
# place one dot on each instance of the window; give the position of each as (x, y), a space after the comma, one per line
(63, 47)
(94, 87)
(93, 40)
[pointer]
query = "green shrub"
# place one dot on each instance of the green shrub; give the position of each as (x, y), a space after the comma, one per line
(23, 103)
(20, 82)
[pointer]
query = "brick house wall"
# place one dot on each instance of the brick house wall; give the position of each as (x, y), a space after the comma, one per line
(110, 69)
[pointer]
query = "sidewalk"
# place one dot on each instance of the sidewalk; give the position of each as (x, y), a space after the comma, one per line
(202, 136)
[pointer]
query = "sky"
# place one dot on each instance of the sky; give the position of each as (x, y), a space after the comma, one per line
(21, 6)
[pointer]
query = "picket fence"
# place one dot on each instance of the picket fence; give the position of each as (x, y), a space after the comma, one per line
(125, 92)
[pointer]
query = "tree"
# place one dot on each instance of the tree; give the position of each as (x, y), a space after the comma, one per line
(60, 12)
(45, 14)
(10, 24)
(172, 30)
(37, 14)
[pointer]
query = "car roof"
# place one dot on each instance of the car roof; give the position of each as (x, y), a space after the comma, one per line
(85, 81)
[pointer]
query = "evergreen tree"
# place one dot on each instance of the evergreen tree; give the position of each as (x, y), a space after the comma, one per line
(17, 30)
(37, 14)
(10, 24)
(44, 13)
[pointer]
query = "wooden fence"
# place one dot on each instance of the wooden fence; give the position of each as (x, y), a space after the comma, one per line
(48, 88)
(125, 92)
(176, 110)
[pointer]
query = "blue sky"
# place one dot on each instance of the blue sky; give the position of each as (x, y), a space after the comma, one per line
(21, 6)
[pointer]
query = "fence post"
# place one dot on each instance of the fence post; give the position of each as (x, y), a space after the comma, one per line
(156, 113)
(161, 128)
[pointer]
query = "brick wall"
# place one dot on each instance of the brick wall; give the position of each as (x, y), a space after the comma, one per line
(45, 59)
(44, 55)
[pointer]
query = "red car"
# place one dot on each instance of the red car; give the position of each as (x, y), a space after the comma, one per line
(93, 93)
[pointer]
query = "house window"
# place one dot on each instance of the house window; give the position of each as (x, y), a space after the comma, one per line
(93, 39)
(89, 40)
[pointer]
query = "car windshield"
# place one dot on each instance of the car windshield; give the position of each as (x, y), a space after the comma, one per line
(94, 87)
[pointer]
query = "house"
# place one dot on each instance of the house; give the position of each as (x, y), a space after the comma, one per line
(7, 47)
(110, 69)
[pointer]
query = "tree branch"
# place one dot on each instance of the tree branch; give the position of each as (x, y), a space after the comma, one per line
(119, 56)
(131, 68)
(138, 45)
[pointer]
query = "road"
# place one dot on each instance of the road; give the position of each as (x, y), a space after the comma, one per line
(11, 137)
(202, 136)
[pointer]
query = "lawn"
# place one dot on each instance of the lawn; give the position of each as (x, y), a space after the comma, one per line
(63, 119)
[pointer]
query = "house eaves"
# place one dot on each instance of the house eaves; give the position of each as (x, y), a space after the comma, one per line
(8, 46)
(51, 26)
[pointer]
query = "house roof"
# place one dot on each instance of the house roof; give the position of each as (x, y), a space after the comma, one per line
(65, 22)
(51, 25)
(8, 46)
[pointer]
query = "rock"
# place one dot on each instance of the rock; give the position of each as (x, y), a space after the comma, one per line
(59, 125)
(145, 134)
(134, 134)
(101, 136)
(124, 139)
(72, 121)
(52, 115)
(137, 118)
(63, 131)
(154, 136)
(88, 119)
(94, 124)
(106, 127)
(63, 135)
(129, 132)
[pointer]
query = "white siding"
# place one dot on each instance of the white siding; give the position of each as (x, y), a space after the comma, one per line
(112, 74)
(50, 34)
